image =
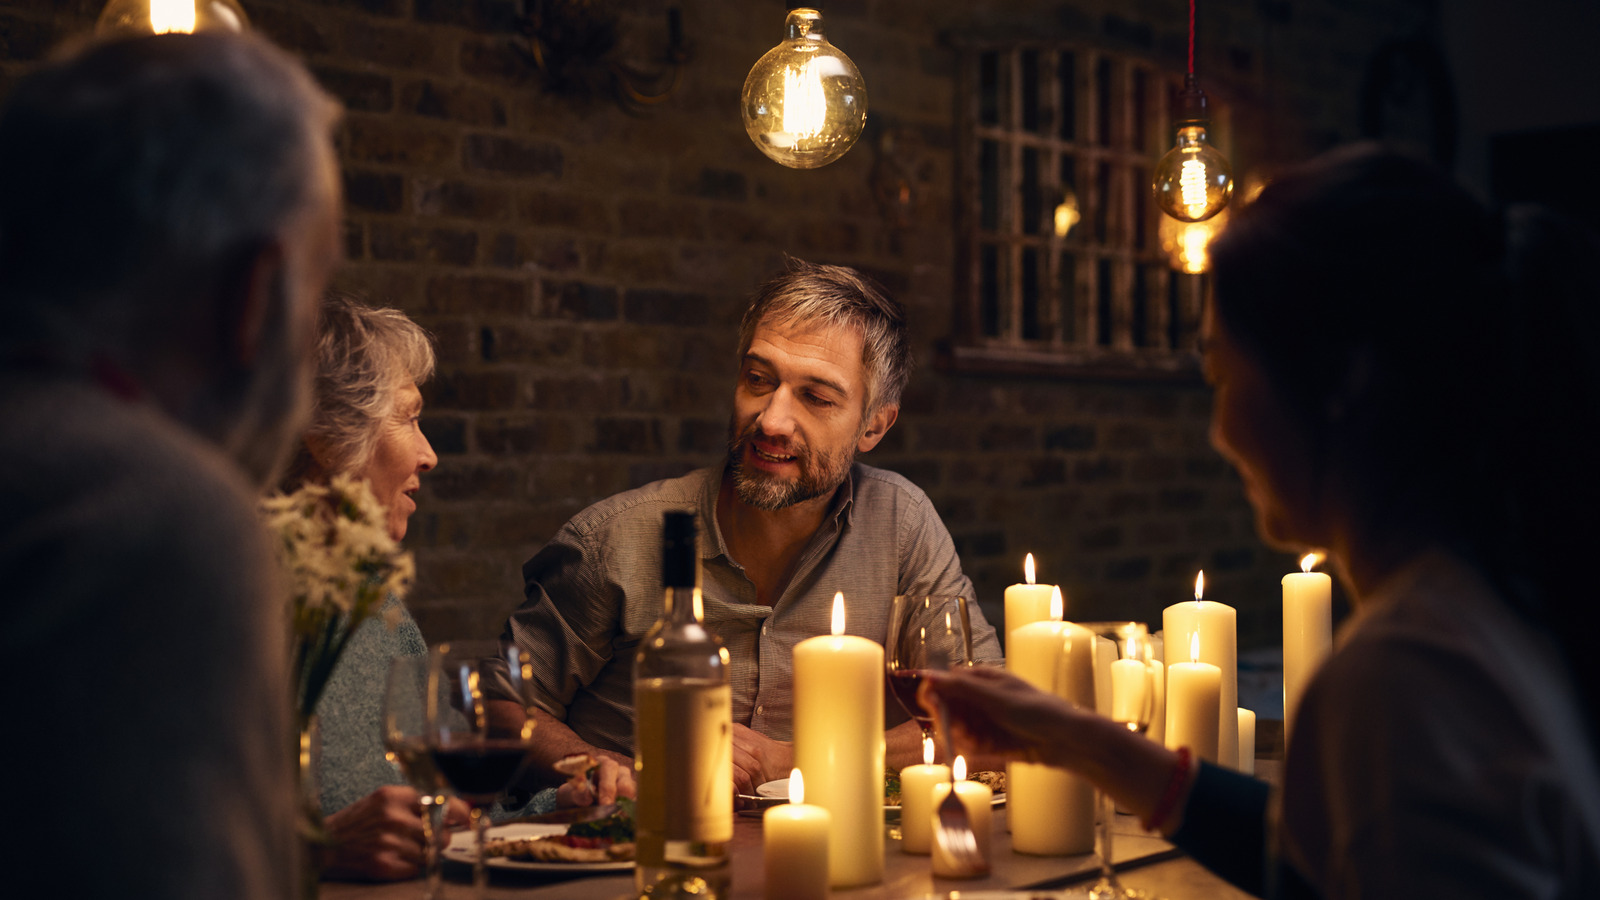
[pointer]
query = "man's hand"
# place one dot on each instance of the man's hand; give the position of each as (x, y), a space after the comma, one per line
(613, 778)
(758, 759)
(377, 838)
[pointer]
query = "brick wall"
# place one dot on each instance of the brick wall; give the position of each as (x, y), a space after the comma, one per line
(583, 269)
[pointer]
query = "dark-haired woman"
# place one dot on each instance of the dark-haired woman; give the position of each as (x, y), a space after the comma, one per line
(1406, 380)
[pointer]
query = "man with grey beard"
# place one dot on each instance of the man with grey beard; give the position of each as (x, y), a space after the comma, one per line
(169, 214)
(789, 519)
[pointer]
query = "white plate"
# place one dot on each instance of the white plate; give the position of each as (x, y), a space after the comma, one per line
(463, 849)
(779, 790)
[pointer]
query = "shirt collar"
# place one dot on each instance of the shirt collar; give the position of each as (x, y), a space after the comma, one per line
(711, 545)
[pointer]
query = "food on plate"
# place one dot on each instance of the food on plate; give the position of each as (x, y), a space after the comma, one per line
(995, 781)
(578, 765)
(599, 841)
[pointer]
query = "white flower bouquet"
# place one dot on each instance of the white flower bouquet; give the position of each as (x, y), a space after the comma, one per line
(341, 564)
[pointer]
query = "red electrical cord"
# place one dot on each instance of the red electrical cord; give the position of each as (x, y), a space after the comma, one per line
(1191, 37)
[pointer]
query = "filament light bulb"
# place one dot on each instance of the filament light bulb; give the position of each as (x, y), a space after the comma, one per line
(804, 102)
(164, 16)
(1193, 181)
(1188, 244)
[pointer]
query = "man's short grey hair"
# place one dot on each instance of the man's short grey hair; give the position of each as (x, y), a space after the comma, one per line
(364, 356)
(812, 296)
(137, 174)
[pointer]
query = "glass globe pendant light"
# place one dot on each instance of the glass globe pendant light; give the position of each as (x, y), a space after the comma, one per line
(804, 102)
(162, 16)
(1193, 181)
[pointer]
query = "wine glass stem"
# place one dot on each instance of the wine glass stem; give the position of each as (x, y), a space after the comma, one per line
(1108, 812)
(432, 834)
(480, 870)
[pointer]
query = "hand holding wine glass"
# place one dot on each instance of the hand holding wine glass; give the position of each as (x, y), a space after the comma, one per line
(925, 632)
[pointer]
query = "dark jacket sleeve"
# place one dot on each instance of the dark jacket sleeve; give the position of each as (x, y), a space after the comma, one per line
(1225, 826)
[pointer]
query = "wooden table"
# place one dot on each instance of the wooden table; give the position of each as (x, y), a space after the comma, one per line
(1152, 865)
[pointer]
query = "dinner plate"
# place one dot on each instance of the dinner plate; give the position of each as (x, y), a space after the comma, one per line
(463, 849)
(779, 791)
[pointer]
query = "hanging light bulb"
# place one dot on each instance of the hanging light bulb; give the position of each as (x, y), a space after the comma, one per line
(804, 102)
(1193, 181)
(163, 16)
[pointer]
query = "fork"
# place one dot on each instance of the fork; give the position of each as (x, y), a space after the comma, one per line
(954, 836)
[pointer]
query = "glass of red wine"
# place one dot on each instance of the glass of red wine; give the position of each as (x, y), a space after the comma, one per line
(478, 758)
(925, 632)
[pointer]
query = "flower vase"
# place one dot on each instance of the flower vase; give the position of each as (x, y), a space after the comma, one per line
(313, 838)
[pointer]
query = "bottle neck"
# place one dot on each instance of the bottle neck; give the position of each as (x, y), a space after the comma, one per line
(683, 605)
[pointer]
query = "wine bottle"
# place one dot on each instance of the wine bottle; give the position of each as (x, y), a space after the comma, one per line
(683, 737)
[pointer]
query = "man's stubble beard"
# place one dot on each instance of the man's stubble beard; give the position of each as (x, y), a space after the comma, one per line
(820, 473)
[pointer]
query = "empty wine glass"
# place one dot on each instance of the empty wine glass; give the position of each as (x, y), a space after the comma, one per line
(477, 762)
(925, 632)
(405, 740)
(1124, 673)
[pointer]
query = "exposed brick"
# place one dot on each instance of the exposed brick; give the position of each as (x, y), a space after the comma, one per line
(376, 7)
(1001, 436)
(581, 300)
(721, 184)
(545, 434)
(1126, 436)
(564, 209)
(354, 238)
(508, 156)
(462, 199)
(373, 191)
(478, 293)
(457, 103)
(452, 339)
(643, 473)
(1102, 469)
(1159, 534)
(1212, 466)
(397, 46)
(706, 436)
(404, 243)
(1107, 538)
(541, 343)
(1132, 569)
(659, 219)
(945, 436)
(358, 91)
(924, 473)
(577, 393)
(618, 435)
(447, 433)
(1155, 469)
(982, 543)
(660, 307)
(1070, 437)
(494, 59)
(1233, 559)
(386, 141)
(472, 390)
(25, 39)
(473, 481)
(1042, 472)
(288, 29)
(742, 227)
(481, 15)
(1181, 499)
(580, 477)
(831, 236)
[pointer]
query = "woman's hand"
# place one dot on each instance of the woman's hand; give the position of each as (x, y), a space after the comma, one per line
(377, 838)
(994, 713)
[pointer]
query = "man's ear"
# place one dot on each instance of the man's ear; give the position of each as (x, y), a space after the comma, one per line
(877, 426)
(248, 299)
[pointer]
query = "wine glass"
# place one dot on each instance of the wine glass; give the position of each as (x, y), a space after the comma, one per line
(405, 740)
(925, 632)
(1124, 674)
(477, 761)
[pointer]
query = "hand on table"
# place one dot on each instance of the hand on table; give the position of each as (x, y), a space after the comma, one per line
(613, 778)
(758, 759)
(379, 837)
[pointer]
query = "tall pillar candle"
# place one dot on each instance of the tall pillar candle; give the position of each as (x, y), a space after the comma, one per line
(1247, 741)
(794, 845)
(838, 739)
(1050, 810)
(1307, 632)
(1028, 603)
(1158, 719)
(916, 795)
(1217, 625)
(1194, 694)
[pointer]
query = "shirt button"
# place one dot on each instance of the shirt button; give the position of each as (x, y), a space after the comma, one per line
(761, 710)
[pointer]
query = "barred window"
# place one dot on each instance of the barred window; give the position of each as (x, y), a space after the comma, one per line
(1059, 266)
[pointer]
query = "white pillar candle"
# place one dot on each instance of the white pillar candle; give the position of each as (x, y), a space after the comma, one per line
(794, 844)
(1105, 652)
(838, 738)
(916, 794)
(1247, 741)
(1307, 632)
(1050, 810)
(1158, 719)
(1217, 626)
(977, 799)
(1130, 690)
(1028, 603)
(1194, 692)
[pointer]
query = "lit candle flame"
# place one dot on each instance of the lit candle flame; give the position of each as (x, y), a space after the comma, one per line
(1194, 647)
(927, 751)
(959, 768)
(1058, 606)
(1309, 561)
(172, 15)
(838, 614)
(797, 787)
(1199, 585)
(1027, 568)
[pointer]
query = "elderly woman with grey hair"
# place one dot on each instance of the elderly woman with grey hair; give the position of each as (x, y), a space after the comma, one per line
(369, 363)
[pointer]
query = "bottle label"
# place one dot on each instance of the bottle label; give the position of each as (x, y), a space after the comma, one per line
(684, 758)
